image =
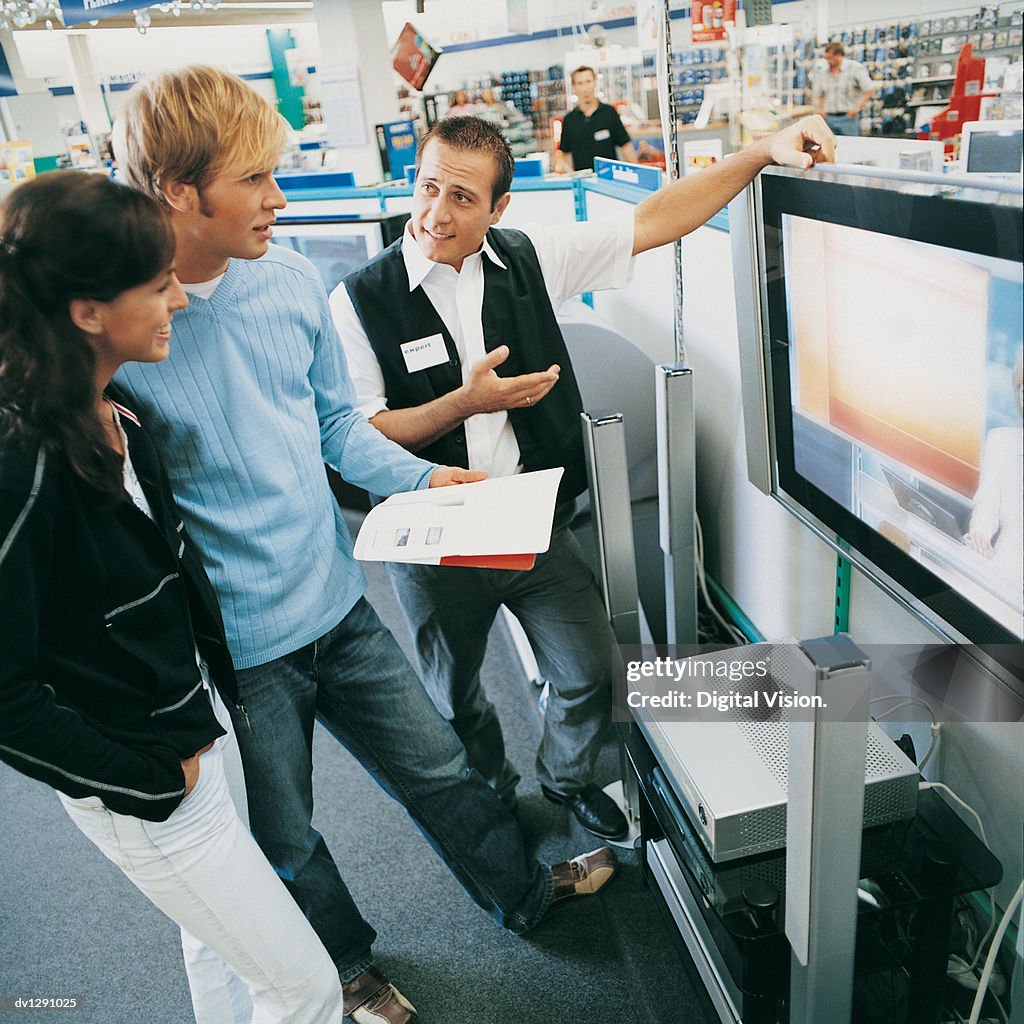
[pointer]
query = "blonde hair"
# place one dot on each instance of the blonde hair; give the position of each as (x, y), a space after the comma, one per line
(192, 124)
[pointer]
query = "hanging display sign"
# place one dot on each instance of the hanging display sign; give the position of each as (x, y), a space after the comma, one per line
(413, 57)
(77, 12)
(710, 18)
(649, 15)
(518, 12)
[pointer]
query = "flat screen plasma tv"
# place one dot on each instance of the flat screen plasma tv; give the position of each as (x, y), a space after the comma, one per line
(880, 328)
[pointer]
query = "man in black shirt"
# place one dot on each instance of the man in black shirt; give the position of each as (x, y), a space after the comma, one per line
(591, 128)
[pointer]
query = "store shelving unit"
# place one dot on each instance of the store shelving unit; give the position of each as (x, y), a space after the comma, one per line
(767, 61)
(524, 102)
(692, 69)
(548, 100)
(913, 63)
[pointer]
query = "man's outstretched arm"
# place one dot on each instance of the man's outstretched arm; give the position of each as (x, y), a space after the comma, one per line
(686, 204)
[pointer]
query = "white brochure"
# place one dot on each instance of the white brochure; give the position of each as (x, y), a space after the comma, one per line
(499, 523)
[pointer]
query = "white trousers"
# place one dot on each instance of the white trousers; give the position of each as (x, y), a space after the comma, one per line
(250, 954)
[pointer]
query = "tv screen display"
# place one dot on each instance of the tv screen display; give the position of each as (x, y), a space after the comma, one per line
(334, 254)
(995, 152)
(894, 322)
(337, 245)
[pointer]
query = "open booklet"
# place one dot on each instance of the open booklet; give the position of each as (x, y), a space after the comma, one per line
(503, 523)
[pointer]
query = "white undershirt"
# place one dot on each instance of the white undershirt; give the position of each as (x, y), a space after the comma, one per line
(131, 479)
(203, 289)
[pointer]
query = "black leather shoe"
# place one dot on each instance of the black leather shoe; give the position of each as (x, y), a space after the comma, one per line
(594, 809)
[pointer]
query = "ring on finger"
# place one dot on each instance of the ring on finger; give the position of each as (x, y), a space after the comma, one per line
(529, 400)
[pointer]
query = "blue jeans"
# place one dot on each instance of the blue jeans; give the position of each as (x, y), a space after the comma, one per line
(843, 125)
(450, 611)
(357, 682)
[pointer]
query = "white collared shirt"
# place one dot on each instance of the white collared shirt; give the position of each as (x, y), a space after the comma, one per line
(574, 258)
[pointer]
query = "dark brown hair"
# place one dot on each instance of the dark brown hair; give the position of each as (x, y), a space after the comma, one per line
(477, 136)
(68, 235)
(580, 70)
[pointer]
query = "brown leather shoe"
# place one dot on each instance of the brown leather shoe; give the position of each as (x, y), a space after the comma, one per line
(369, 998)
(584, 875)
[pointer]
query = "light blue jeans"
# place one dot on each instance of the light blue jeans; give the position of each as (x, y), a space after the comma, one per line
(357, 682)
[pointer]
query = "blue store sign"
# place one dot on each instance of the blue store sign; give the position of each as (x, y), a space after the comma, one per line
(77, 12)
(628, 174)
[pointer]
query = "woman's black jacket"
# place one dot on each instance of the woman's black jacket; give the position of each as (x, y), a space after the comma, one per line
(101, 609)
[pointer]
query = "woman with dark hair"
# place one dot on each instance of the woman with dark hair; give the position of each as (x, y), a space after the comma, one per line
(114, 657)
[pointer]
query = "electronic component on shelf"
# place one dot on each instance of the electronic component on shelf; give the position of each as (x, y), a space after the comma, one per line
(730, 775)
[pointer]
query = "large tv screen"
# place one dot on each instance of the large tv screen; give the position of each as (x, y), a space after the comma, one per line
(893, 317)
(340, 243)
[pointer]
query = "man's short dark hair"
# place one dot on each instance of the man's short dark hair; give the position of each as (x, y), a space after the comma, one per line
(580, 70)
(836, 48)
(474, 135)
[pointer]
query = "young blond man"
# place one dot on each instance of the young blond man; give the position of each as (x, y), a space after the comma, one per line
(254, 398)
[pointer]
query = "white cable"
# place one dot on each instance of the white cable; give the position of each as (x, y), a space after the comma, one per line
(730, 629)
(991, 896)
(993, 953)
(906, 702)
(936, 726)
(935, 730)
(958, 969)
(966, 806)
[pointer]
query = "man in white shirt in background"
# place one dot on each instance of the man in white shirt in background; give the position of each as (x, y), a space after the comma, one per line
(842, 92)
(491, 387)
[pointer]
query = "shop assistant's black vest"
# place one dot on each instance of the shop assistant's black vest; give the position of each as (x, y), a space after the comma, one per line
(516, 312)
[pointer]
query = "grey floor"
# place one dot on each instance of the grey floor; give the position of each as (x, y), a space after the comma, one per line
(71, 925)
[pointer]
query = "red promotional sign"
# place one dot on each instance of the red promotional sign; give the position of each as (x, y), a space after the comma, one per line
(710, 18)
(413, 57)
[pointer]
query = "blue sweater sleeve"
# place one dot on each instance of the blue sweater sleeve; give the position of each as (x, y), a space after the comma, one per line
(350, 443)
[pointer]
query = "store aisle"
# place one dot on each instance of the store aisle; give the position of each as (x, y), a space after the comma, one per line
(71, 926)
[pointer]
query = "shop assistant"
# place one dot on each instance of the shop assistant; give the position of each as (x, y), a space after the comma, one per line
(491, 387)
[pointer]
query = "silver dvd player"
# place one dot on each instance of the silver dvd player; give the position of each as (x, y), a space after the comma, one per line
(731, 777)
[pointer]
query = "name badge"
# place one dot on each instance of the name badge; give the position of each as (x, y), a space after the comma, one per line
(424, 353)
(604, 133)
